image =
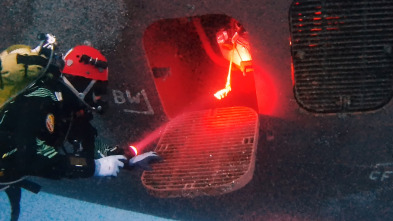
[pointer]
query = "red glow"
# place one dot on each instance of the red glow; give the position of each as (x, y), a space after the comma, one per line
(224, 92)
(188, 85)
(292, 73)
(148, 139)
(242, 54)
(267, 103)
(328, 18)
(318, 13)
(316, 29)
(134, 150)
(206, 45)
(267, 91)
(317, 18)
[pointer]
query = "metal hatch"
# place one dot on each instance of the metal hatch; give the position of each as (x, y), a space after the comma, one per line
(207, 152)
(342, 54)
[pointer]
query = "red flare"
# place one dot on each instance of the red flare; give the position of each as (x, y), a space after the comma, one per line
(133, 148)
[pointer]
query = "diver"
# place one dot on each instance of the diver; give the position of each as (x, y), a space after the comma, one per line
(47, 101)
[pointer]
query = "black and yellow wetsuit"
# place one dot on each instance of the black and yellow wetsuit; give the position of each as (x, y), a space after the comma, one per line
(33, 127)
(40, 110)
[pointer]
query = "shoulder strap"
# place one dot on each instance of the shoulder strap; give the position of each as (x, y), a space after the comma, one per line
(37, 60)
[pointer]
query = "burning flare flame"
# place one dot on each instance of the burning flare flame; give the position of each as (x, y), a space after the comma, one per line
(224, 92)
(133, 148)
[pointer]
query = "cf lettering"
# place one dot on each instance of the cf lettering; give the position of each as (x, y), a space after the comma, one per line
(381, 176)
(375, 175)
(386, 175)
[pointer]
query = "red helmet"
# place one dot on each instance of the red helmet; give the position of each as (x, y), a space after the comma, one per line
(87, 62)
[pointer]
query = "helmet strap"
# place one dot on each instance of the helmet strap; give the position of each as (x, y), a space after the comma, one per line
(88, 88)
(80, 95)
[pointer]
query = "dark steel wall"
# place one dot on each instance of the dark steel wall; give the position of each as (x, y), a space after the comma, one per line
(302, 157)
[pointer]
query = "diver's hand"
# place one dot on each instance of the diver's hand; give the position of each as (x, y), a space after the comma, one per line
(109, 166)
(144, 159)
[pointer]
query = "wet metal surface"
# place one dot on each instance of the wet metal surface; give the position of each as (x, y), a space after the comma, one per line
(342, 55)
(209, 152)
(308, 167)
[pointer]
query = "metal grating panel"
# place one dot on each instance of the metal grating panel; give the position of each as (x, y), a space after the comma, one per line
(342, 54)
(207, 152)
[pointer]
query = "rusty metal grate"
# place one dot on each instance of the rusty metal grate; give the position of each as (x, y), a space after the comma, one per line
(206, 152)
(342, 54)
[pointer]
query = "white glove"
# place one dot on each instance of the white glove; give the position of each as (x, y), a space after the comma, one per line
(109, 166)
(144, 159)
